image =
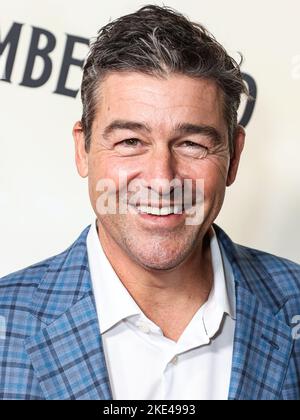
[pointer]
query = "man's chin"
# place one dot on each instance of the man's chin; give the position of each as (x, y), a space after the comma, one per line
(160, 262)
(157, 266)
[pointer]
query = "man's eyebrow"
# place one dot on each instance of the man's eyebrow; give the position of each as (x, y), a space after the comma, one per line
(207, 130)
(124, 125)
(180, 129)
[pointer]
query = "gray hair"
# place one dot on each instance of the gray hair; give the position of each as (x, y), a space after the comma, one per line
(158, 41)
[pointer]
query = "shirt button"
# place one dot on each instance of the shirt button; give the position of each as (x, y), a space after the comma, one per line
(174, 360)
(144, 328)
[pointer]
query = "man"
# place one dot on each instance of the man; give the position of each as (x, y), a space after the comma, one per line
(154, 301)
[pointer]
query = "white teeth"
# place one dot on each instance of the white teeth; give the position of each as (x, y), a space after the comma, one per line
(164, 211)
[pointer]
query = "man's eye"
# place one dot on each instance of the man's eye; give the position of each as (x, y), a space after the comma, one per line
(189, 143)
(191, 149)
(130, 142)
(130, 147)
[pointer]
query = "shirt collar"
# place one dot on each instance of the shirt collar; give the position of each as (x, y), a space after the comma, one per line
(114, 303)
(222, 296)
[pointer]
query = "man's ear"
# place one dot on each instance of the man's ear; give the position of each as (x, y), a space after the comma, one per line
(81, 156)
(238, 141)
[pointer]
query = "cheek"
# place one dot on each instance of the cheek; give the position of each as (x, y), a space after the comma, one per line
(102, 168)
(98, 170)
(118, 171)
(214, 189)
(212, 170)
(110, 164)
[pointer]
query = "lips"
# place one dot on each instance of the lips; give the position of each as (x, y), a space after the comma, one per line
(159, 211)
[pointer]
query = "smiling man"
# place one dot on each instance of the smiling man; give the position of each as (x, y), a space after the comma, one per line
(153, 300)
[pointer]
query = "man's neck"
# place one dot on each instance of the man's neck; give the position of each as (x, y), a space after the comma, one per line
(170, 298)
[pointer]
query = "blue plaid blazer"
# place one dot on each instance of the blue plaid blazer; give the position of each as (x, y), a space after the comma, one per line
(52, 346)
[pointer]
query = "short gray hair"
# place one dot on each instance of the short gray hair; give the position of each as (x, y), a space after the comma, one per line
(158, 41)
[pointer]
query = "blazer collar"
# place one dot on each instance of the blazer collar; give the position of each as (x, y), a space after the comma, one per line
(67, 354)
(66, 281)
(263, 341)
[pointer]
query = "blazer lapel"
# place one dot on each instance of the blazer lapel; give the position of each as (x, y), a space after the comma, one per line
(262, 350)
(67, 354)
(263, 341)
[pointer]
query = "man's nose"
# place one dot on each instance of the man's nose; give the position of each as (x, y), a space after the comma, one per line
(161, 167)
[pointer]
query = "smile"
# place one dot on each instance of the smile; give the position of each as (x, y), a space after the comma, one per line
(159, 211)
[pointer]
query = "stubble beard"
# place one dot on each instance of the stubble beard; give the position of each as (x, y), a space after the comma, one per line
(153, 249)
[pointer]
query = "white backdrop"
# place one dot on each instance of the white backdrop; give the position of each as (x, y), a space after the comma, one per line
(44, 204)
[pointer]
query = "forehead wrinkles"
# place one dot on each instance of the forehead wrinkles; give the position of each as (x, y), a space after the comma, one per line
(149, 93)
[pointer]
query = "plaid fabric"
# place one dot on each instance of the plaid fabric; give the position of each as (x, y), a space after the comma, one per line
(50, 345)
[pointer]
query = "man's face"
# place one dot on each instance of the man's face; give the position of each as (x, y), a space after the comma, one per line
(150, 128)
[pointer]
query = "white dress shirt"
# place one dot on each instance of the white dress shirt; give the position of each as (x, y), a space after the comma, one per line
(142, 363)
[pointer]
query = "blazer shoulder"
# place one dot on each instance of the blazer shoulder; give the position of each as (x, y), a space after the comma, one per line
(18, 300)
(18, 287)
(272, 279)
(284, 272)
